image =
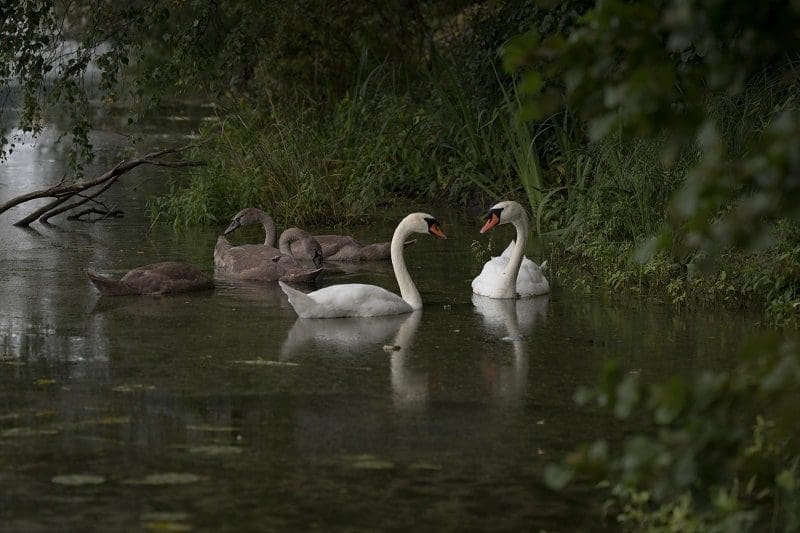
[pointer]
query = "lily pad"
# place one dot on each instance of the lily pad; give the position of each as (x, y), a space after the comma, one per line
(426, 466)
(265, 362)
(165, 478)
(216, 450)
(213, 429)
(28, 432)
(370, 462)
(165, 521)
(107, 421)
(78, 479)
(165, 525)
(176, 516)
(133, 387)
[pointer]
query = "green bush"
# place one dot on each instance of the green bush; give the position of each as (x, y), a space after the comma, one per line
(723, 453)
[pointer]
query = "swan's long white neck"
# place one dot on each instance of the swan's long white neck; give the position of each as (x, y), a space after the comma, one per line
(512, 268)
(269, 229)
(408, 291)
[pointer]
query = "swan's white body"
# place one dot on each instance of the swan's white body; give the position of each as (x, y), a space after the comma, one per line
(360, 300)
(511, 275)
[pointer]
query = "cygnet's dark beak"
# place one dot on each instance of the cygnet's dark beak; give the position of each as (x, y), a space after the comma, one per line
(234, 225)
(317, 258)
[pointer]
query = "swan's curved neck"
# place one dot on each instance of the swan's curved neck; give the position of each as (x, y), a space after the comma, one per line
(408, 291)
(289, 236)
(512, 268)
(269, 228)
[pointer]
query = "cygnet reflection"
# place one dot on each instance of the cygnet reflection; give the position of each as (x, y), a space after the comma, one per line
(511, 321)
(347, 336)
(255, 291)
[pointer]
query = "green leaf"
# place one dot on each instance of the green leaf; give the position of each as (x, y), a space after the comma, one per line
(557, 476)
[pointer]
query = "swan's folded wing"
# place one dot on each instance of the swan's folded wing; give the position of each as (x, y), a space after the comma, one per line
(110, 287)
(531, 281)
(489, 282)
(352, 299)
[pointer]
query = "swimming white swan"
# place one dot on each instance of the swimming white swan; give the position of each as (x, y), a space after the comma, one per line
(356, 299)
(511, 275)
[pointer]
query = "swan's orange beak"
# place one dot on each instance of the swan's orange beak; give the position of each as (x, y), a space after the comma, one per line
(491, 222)
(434, 229)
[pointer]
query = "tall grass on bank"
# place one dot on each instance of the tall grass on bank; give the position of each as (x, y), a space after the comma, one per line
(375, 145)
(616, 194)
(302, 165)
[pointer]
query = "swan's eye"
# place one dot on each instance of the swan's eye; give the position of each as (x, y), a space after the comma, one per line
(434, 229)
(494, 211)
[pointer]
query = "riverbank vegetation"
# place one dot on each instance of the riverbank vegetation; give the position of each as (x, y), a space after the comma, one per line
(657, 145)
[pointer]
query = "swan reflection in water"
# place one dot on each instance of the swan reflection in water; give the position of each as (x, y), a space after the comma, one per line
(349, 336)
(512, 321)
(409, 386)
(341, 336)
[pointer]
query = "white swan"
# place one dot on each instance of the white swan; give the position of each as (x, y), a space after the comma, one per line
(511, 275)
(356, 299)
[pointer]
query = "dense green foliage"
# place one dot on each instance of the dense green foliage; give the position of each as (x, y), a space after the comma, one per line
(690, 114)
(724, 454)
(701, 98)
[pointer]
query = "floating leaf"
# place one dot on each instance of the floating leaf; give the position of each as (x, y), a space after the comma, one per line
(78, 479)
(213, 429)
(165, 525)
(165, 478)
(215, 450)
(28, 432)
(44, 381)
(265, 362)
(425, 466)
(370, 462)
(134, 387)
(176, 516)
(165, 521)
(109, 421)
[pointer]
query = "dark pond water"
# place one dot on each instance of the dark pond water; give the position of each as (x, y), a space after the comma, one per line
(223, 411)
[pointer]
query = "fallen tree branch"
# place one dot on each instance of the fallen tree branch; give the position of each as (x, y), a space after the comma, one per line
(62, 192)
(104, 214)
(53, 210)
